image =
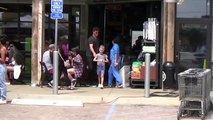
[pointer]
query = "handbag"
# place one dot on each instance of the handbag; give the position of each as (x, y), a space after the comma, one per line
(66, 63)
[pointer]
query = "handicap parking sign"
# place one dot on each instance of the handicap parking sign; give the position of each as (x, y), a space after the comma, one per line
(57, 9)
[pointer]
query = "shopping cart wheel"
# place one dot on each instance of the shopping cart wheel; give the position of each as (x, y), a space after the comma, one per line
(202, 117)
(178, 116)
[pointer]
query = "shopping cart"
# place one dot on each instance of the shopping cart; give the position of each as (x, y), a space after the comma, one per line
(194, 88)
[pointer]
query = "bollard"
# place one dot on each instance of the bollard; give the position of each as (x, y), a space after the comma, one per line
(55, 75)
(147, 75)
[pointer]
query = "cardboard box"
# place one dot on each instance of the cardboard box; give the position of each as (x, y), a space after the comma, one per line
(140, 75)
(136, 75)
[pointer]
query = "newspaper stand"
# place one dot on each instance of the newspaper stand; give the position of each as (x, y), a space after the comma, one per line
(194, 88)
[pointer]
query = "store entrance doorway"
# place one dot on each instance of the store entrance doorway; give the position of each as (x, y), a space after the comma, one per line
(121, 19)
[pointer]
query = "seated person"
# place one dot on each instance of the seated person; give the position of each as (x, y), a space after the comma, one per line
(15, 62)
(77, 65)
(48, 60)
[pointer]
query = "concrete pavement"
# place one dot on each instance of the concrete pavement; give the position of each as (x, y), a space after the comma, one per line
(92, 95)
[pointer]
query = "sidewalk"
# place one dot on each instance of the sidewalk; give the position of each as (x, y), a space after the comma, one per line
(92, 95)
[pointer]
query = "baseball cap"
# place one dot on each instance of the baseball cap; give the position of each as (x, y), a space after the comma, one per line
(51, 46)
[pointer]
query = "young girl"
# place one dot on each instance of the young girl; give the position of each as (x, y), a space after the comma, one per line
(77, 67)
(101, 58)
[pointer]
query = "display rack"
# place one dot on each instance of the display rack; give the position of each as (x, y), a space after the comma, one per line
(150, 45)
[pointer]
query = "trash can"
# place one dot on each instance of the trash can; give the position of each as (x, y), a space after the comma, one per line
(169, 76)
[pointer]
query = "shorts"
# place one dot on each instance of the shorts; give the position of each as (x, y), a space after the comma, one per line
(100, 70)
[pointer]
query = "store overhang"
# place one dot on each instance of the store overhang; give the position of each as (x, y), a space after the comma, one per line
(117, 1)
(73, 2)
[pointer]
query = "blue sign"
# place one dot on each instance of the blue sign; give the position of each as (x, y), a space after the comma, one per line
(57, 15)
(57, 6)
(56, 10)
(55, 3)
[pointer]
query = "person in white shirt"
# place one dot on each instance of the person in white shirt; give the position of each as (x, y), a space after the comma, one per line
(48, 60)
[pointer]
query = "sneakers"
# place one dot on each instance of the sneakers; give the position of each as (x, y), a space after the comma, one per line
(50, 84)
(7, 83)
(100, 86)
(3, 101)
(120, 86)
(73, 83)
(74, 79)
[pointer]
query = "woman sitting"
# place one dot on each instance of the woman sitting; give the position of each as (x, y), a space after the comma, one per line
(76, 69)
(16, 62)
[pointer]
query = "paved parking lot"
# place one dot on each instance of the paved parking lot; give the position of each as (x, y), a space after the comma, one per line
(88, 112)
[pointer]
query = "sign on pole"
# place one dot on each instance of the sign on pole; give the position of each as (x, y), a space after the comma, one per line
(56, 13)
(57, 9)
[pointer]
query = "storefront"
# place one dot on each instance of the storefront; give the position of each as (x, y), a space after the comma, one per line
(17, 24)
(129, 20)
(178, 25)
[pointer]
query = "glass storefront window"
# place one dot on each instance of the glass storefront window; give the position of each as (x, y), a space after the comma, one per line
(63, 29)
(192, 45)
(8, 28)
(193, 8)
(26, 29)
(65, 19)
(8, 16)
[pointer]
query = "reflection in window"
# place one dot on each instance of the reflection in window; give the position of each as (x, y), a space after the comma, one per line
(26, 29)
(9, 29)
(192, 42)
(6, 25)
(193, 8)
(26, 17)
(65, 19)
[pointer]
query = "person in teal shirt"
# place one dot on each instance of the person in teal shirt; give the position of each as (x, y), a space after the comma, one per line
(113, 71)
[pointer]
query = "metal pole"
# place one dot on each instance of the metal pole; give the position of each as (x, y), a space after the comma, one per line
(55, 61)
(147, 75)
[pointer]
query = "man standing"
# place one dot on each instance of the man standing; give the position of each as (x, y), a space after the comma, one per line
(92, 50)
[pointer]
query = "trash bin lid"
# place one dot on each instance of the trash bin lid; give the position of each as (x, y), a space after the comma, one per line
(169, 64)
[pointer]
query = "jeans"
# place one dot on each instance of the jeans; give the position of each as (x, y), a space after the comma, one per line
(114, 72)
(3, 87)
